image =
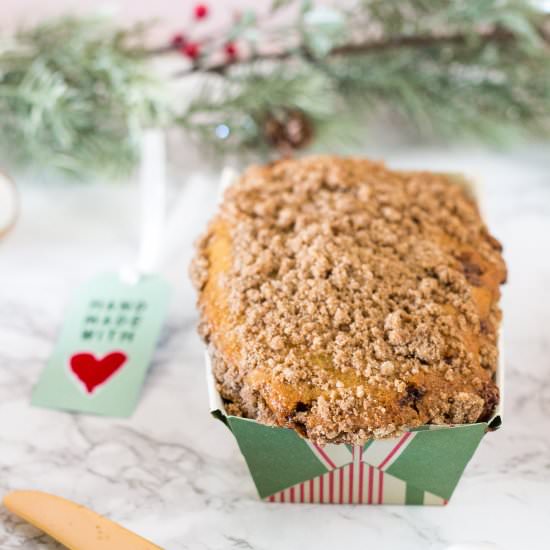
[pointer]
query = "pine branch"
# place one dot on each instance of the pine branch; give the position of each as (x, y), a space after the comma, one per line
(75, 93)
(493, 36)
(448, 79)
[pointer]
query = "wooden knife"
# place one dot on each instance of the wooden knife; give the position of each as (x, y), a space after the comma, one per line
(73, 525)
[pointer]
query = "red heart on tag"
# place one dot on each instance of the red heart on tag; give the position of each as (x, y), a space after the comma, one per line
(93, 372)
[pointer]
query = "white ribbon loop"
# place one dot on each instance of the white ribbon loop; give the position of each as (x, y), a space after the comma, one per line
(160, 236)
(152, 179)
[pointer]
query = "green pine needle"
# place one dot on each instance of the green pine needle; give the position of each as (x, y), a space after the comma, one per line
(74, 95)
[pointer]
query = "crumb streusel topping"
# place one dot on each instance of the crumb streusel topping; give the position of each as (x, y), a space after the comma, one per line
(349, 301)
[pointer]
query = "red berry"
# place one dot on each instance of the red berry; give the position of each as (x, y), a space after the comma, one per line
(191, 50)
(231, 50)
(201, 11)
(178, 40)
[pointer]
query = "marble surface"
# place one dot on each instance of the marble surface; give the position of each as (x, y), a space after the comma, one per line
(172, 473)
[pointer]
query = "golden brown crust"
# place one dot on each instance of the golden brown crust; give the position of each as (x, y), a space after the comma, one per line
(349, 301)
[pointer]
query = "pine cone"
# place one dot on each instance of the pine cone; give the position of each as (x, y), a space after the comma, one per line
(287, 130)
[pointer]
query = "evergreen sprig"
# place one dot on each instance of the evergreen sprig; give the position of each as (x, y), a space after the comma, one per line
(449, 68)
(75, 93)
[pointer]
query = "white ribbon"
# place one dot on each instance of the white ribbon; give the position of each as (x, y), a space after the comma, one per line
(152, 180)
(160, 235)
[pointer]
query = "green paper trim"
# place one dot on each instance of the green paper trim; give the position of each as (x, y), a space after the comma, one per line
(277, 457)
(435, 459)
(414, 495)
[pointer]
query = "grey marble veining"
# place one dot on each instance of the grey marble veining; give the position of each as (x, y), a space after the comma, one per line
(172, 473)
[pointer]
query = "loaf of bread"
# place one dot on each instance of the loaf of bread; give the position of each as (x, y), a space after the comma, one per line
(348, 301)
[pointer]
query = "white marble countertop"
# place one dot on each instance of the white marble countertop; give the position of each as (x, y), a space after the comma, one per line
(174, 474)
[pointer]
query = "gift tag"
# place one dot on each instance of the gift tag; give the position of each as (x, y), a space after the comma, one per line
(110, 331)
(105, 346)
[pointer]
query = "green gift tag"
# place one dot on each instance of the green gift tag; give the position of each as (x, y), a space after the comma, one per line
(105, 346)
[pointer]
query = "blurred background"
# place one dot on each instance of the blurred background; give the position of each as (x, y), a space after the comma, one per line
(167, 12)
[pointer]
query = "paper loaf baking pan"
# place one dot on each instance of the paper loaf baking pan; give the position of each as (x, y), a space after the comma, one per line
(422, 466)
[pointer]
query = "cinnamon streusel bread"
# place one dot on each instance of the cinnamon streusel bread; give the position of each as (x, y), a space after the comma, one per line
(349, 301)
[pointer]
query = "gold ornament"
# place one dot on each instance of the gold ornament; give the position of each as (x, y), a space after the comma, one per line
(8, 204)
